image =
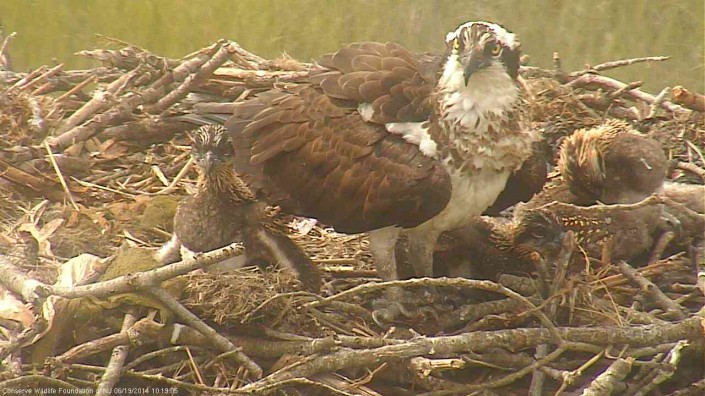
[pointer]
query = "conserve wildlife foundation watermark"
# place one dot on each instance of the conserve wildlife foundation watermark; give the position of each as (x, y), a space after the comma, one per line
(89, 391)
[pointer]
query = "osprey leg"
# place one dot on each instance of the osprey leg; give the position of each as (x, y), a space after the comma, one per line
(421, 244)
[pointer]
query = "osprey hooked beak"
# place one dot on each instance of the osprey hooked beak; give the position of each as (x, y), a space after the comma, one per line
(479, 45)
(474, 61)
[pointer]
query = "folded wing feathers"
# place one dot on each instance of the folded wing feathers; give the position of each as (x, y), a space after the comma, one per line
(307, 145)
(378, 74)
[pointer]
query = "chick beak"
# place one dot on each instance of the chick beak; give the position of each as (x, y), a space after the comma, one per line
(474, 61)
(208, 163)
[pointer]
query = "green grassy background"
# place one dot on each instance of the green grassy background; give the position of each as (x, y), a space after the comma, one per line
(581, 31)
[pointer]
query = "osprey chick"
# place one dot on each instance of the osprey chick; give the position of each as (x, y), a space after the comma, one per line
(612, 163)
(224, 211)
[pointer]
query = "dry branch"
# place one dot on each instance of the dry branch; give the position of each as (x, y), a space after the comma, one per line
(611, 380)
(127, 283)
(202, 71)
(689, 329)
(594, 80)
(691, 100)
(652, 292)
(111, 376)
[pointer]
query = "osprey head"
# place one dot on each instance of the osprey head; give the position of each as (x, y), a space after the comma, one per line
(211, 148)
(479, 45)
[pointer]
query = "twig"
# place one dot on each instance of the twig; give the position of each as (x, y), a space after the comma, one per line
(78, 87)
(183, 172)
(71, 132)
(100, 100)
(510, 378)
(193, 321)
(99, 187)
(515, 339)
(126, 283)
(453, 282)
(60, 176)
(570, 377)
(612, 84)
(692, 168)
(657, 268)
(93, 347)
(660, 246)
(562, 261)
(619, 63)
(653, 109)
(40, 185)
(160, 378)
(19, 283)
(225, 49)
(36, 382)
(603, 104)
(631, 315)
(651, 291)
(664, 370)
(155, 354)
(305, 381)
(117, 361)
(611, 380)
(4, 61)
(49, 73)
(621, 91)
(27, 78)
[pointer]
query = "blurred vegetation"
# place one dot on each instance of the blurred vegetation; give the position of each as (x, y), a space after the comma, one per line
(581, 31)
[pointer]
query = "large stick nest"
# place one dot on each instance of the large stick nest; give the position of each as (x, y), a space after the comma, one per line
(99, 206)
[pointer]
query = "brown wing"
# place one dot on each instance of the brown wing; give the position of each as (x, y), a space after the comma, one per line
(396, 82)
(320, 160)
(526, 181)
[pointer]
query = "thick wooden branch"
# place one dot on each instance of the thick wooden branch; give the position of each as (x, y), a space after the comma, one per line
(652, 292)
(611, 380)
(691, 100)
(126, 283)
(192, 320)
(516, 339)
(200, 74)
(594, 80)
(117, 361)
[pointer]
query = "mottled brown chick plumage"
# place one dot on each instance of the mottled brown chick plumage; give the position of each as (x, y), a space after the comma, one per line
(612, 163)
(629, 229)
(224, 210)
(492, 246)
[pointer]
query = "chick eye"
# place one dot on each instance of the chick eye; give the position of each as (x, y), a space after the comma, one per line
(538, 233)
(496, 50)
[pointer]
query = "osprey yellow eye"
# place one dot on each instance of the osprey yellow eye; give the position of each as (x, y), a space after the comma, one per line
(496, 50)
(456, 44)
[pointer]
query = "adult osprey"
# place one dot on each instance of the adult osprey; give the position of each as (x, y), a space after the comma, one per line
(386, 141)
